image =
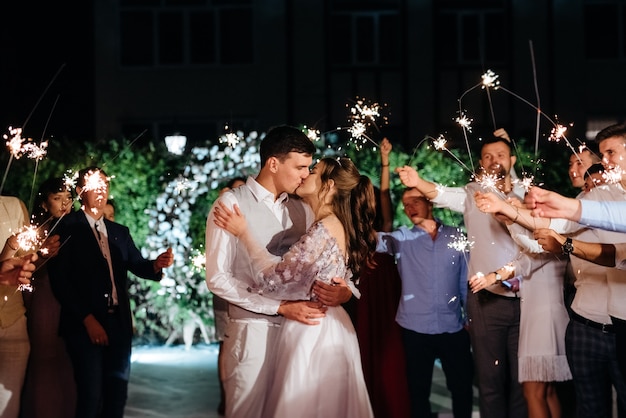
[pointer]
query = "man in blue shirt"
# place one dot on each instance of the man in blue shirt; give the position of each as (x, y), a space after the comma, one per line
(434, 290)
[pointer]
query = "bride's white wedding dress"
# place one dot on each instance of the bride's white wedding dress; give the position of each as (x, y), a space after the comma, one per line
(318, 367)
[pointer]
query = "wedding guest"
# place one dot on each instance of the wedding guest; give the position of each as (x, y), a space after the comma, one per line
(579, 164)
(493, 311)
(318, 370)
(49, 389)
(431, 310)
(109, 210)
(591, 340)
(89, 277)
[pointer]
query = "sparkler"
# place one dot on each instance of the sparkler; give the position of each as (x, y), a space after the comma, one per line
(37, 153)
(15, 144)
(440, 145)
(231, 139)
(612, 175)
(461, 243)
(362, 116)
(490, 81)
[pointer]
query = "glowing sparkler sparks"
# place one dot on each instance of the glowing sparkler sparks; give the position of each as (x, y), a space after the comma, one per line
(526, 183)
(488, 181)
(440, 143)
(15, 142)
(613, 175)
(95, 181)
(357, 130)
(182, 184)
(312, 134)
(490, 79)
(199, 261)
(464, 122)
(69, 179)
(230, 139)
(557, 133)
(361, 111)
(34, 151)
(461, 244)
(581, 148)
(28, 239)
(362, 116)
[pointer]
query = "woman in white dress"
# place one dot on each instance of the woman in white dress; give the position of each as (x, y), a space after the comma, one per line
(318, 371)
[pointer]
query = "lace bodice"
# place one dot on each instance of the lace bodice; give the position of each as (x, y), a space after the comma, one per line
(316, 256)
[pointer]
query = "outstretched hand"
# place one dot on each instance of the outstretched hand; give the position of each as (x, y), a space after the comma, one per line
(488, 202)
(545, 203)
(408, 176)
(232, 221)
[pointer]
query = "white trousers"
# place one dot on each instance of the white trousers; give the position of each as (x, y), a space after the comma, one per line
(249, 348)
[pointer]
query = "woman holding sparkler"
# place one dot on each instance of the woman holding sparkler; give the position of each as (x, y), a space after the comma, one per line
(49, 390)
(318, 370)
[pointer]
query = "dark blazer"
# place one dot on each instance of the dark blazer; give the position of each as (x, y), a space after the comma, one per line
(79, 274)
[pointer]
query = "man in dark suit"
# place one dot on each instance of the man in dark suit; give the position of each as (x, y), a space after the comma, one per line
(89, 277)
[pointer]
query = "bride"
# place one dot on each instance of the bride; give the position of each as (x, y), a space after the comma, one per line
(318, 371)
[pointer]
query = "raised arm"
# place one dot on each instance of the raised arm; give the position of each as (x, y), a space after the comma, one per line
(411, 178)
(492, 203)
(385, 194)
(552, 205)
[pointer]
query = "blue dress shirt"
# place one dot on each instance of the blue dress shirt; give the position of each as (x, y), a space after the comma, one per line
(609, 215)
(434, 278)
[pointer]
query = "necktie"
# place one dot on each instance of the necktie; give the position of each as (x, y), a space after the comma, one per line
(104, 248)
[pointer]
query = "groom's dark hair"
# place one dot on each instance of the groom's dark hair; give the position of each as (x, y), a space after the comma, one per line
(282, 140)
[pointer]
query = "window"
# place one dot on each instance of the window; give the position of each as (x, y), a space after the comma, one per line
(181, 33)
(471, 36)
(365, 38)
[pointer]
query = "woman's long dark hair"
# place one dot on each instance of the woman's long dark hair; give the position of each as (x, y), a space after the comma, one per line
(354, 204)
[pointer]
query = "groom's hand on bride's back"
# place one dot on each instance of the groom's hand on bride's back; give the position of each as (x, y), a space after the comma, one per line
(332, 294)
(305, 311)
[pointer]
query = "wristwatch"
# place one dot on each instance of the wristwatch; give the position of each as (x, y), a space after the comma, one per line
(498, 277)
(567, 246)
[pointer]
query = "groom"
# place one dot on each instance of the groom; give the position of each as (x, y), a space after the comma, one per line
(276, 220)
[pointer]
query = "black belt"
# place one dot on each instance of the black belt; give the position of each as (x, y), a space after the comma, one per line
(485, 294)
(605, 328)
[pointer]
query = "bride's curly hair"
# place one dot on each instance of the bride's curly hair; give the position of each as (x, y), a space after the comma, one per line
(354, 204)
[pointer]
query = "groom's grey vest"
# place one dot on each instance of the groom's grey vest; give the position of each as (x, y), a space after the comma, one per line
(268, 231)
